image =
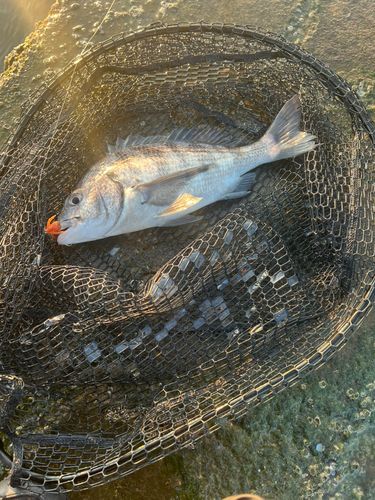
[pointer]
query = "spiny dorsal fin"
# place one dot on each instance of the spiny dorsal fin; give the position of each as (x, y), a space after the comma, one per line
(207, 135)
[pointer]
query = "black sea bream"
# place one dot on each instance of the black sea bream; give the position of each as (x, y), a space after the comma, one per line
(162, 183)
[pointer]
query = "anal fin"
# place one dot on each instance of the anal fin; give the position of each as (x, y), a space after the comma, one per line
(183, 202)
(246, 181)
(244, 184)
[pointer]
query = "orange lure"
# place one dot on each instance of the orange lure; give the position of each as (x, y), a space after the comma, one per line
(53, 228)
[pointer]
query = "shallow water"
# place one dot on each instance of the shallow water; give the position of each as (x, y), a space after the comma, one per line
(275, 450)
(17, 20)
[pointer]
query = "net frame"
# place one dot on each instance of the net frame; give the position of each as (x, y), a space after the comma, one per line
(172, 411)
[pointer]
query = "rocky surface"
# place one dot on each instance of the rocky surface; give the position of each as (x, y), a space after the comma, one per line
(341, 33)
(315, 440)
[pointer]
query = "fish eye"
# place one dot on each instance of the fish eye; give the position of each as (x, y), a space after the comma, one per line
(75, 199)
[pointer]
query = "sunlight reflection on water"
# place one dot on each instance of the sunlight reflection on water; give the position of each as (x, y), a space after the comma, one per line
(17, 20)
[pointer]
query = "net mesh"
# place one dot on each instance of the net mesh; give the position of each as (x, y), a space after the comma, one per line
(118, 352)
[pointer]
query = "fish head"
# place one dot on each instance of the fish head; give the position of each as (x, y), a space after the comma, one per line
(90, 211)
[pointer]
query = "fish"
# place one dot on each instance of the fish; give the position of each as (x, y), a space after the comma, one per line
(162, 181)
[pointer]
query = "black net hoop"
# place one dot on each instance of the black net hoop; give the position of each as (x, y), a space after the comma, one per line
(118, 352)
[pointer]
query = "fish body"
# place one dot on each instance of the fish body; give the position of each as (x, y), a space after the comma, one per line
(162, 183)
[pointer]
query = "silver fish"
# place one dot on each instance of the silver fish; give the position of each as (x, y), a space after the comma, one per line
(162, 183)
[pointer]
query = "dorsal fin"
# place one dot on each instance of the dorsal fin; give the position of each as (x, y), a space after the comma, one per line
(207, 135)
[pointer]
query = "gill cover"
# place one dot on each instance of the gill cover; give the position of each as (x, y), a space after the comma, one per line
(100, 205)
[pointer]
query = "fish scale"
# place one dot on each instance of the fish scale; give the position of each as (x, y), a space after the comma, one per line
(150, 184)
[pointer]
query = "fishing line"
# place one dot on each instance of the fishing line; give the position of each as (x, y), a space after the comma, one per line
(80, 55)
(85, 48)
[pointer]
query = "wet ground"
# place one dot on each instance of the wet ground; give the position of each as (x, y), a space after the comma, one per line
(339, 32)
(315, 440)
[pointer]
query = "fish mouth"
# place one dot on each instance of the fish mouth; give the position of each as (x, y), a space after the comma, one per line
(65, 226)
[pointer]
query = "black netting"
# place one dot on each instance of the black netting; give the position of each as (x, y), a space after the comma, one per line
(130, 347)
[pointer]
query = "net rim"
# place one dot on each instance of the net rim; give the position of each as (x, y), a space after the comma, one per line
(158, 29)
(346, 94)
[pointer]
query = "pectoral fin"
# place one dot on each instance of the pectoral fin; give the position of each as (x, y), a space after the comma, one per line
(183, 202)
(160, 191)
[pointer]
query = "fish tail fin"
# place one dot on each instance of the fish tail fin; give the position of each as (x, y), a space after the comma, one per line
(284, 138)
